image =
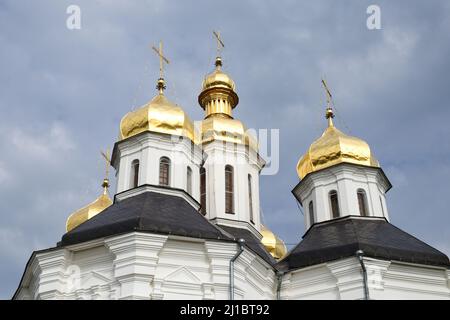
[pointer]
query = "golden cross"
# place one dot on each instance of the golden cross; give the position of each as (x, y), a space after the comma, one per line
(162, 59)
(107, 161)
(220, 44)
(329, 96)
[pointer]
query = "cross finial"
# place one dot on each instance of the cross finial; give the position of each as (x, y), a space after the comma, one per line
(329, 114)
(105, 183)
(161, 84)
(220, 46)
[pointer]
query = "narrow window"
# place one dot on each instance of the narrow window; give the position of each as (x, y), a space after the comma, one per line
(164, 171)
(189, 180)
(311, 213)
(229, 189)
(134, 181)
(362, 202)
(203, 190)
(250, 199)
(334, 204)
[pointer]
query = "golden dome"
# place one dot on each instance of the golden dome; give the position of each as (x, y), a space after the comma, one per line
(91, 210)
(218, 98)
(158, 115)
(273, 244)
(335, 147)
(218, 78)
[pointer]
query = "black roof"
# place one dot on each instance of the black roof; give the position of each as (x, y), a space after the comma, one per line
(149, 212)
(251, 241)
(341, 238)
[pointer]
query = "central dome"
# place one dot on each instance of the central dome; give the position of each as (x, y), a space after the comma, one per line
(158, 115)
(335, 147)
(218, 78)
(218, 98)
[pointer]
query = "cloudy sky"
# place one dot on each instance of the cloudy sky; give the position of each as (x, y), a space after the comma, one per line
(63, 93)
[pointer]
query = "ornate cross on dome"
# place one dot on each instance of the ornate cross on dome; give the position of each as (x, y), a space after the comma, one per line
(161, 84)
(329, 114)
(220, 46)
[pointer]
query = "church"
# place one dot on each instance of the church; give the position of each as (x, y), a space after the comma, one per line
(185, 220)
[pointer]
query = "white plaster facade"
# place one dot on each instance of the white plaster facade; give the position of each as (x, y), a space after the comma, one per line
(245, 162)
(150, 266)
(346, 179)
(146, 266)
(148, 148)
(387, 280)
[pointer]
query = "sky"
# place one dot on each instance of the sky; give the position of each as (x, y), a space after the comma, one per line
(63, 93)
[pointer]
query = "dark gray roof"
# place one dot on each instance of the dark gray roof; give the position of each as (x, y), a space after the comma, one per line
(159, 213)
(150, 212)
(341, 238)
(251, 241)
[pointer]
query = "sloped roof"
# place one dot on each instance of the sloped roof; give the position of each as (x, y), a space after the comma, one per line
(341, 238)
(147, 212)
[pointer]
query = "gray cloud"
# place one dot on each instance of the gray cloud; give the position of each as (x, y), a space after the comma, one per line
(64, 92)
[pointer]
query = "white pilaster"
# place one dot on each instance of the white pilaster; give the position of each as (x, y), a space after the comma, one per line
(136, 258)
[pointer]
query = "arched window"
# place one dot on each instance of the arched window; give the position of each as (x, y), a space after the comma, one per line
(311, 213)
(334, 203)
(203, 190)
(229, 190)
(250, 199)
(189, 180)
(362, 202)
(134, 176)
(164, 171)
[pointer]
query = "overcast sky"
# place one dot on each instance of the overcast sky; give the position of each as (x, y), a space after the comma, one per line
(63, 93)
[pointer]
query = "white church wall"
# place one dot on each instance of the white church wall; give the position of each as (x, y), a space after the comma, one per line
(244, 162)
(395, 280)
(143, 266)
(148, 148)
(346, 179)
(343, 280)
(254, 279)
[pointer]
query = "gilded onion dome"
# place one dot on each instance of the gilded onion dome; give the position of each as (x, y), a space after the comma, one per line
(91, 210)
(158, 115)
(218, 98)
(273, 244)
(335, 147)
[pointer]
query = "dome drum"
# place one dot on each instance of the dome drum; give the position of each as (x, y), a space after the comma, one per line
(218, 100)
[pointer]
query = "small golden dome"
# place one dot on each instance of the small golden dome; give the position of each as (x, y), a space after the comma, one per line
(273, 244)
(335, 147)
(158, 115)
(91, 210)
(218, 96)
(218, 78)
